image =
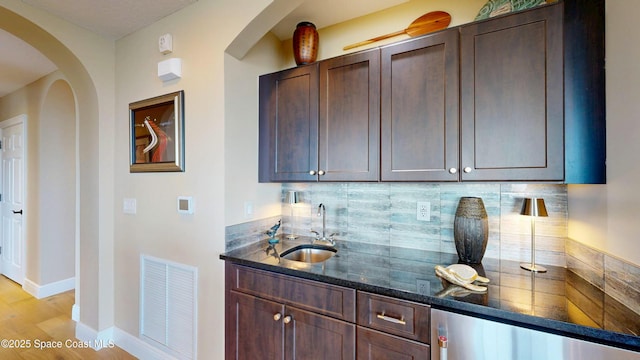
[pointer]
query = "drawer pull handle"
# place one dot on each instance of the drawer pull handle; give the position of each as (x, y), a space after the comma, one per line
(391, 319)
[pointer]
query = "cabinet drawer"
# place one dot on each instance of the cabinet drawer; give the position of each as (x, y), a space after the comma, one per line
(399, 317)
(330, 300)
(373, 344)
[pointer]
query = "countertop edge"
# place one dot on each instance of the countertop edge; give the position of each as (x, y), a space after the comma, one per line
(595, 335)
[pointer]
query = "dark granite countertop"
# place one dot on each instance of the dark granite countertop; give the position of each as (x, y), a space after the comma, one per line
(557, 301)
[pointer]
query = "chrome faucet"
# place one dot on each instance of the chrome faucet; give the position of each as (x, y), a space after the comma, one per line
(322, 211)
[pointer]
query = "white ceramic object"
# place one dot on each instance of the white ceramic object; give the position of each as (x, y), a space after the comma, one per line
(451, 277)
(466, 273)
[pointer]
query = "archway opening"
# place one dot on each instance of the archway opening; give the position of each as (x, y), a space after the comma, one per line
(87, 186)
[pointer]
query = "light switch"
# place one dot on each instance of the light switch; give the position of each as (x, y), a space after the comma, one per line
(129, 206)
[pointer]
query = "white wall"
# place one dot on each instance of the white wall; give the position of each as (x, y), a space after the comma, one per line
(57, 185)
(201, 32)
(334, 38)
(49, 218)
(241, 134)
(606, 217)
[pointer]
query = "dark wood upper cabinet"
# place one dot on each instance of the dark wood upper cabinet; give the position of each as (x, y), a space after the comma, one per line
(584, 92)
(419, 109)
(288, 117)
(532, 88)
(349, 135)
(512, 97)
(519, 97)
(321, 122)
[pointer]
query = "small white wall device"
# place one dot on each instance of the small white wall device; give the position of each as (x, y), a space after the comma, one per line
(185, 205)
(170, 69)
(165, 44)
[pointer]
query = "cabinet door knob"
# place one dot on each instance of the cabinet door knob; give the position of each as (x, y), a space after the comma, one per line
(312, 172)
(467, 169)
(453, 170)
(321, 172)
(287, 319)
(277, 316)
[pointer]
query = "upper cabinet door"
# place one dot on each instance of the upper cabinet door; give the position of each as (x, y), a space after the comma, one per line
(419, 109)
(512, 97)
(350, 117)
(288, 115)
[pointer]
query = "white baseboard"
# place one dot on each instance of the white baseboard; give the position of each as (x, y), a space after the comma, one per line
(75, 313)
(138, 348)
(43, 291)
(114, 336)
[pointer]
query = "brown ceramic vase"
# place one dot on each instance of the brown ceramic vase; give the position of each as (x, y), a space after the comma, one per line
(305, 43)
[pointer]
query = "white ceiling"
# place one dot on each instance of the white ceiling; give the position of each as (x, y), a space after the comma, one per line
(21, 64)
(111, 18)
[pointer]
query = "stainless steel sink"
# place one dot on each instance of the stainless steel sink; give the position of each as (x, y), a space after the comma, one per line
(309, 253)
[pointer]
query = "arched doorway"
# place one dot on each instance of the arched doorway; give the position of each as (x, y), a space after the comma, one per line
(87, 187)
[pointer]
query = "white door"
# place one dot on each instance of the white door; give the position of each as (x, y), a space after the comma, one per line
(12, 256)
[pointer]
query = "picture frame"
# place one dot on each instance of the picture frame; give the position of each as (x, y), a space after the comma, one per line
(156, 128)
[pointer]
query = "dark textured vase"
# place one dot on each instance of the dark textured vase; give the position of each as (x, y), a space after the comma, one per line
(471, 230)
(305, 43)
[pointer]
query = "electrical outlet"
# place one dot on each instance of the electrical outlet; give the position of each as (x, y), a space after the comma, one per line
(423, 212)
(248, 209)
(423, 287)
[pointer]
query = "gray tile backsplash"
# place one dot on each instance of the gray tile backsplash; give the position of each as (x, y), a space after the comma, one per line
(385, 214)
(249, 233)
(367, 215)
(617, 278)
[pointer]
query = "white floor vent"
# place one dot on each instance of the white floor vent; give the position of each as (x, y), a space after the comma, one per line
(168, 306)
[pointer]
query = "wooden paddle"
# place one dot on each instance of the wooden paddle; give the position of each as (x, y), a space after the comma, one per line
(433, 21)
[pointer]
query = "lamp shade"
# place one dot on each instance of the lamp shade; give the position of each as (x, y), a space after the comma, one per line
(533, 207)
(292, 197)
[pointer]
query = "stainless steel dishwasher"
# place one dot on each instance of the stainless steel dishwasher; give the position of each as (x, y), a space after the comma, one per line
(461, 337)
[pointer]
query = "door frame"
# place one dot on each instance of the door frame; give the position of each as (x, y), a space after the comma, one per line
(16, 120)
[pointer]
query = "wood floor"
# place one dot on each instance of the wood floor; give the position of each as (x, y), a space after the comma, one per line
(27, 323)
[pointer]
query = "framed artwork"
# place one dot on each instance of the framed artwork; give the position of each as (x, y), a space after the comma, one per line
(157, 134)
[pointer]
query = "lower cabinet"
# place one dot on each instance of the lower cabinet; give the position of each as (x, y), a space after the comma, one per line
(254, 330)
(274, 316)
(263, 329)
(376, 345)
(389, 328)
